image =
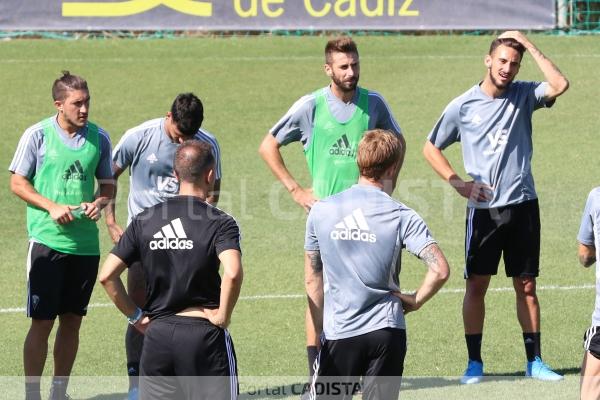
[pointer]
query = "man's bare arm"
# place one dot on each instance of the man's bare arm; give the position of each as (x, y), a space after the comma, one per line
(438, 273)
(114, 230)
(557, 82)
(269, 151)
(470, 190)
(313, 282)
(231, 285)
(23, 188)
(110, 279)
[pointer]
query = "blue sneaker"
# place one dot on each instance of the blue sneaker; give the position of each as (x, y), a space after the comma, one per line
(473, 373)
(536, 369)
(133, 393)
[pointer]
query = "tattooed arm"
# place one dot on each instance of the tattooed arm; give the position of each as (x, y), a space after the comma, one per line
(557, 83)
(437, 274)
(313, 282)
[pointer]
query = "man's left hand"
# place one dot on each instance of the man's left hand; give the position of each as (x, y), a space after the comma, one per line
(409, 302)
(516, 35)
(218, 319)
(91, 211)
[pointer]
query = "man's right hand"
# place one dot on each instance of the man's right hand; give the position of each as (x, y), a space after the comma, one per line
(61, 214)
(409, 302)
(304, 197)
(474, 191)
(217, 318)
(115, 232)
(142, 325)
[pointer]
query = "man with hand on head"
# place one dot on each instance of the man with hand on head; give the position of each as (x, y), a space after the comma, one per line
(53, 171)
(492, 121)
(180, 243)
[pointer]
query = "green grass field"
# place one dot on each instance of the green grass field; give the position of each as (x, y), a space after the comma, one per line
(246, 85)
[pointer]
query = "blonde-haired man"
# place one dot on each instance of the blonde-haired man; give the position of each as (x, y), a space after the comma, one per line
(353, 251)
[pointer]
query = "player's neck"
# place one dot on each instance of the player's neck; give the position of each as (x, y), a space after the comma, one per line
(189, 189)
(70, 129)
(169, 131)
(488, 87)
(345, 96)
(387, 182)
(376, 183)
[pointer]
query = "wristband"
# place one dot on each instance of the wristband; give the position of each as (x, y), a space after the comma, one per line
(134, 319)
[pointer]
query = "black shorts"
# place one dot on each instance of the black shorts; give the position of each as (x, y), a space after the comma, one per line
(187, 358)
(512, 232)
(377, 357)
(58, 283)
(591, 341)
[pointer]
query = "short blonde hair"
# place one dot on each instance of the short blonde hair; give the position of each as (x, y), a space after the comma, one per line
(378, 150)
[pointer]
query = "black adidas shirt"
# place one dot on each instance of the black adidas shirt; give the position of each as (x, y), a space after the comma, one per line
(178, 243)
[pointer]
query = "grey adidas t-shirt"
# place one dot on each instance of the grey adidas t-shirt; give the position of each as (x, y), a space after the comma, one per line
(297, 123)
(360, 233)
(589, 234)
(29, 156)
(496, 139)
(149, 153)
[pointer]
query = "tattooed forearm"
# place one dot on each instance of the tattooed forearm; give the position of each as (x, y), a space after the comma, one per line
(315, 261)
(438, 273)
(536, 52)
(431, 255)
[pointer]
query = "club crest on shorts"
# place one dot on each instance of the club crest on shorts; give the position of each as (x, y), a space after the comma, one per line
(35, 300)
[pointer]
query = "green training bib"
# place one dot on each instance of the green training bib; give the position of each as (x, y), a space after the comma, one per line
(66, 177)
(331, 154)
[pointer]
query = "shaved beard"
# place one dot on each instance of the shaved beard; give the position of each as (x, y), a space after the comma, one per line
(75, 123)
(497, 84)
(345, 86)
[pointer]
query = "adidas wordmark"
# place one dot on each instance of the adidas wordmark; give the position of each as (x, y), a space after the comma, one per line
(353, 227)
(171, 237)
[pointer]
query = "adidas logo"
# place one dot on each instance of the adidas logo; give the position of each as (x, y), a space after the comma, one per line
(35, 300)
(171, 237)
(152, 158)
(476, 120)
(353, 227)
(52, 154)
(75, 171)
(342, 148)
